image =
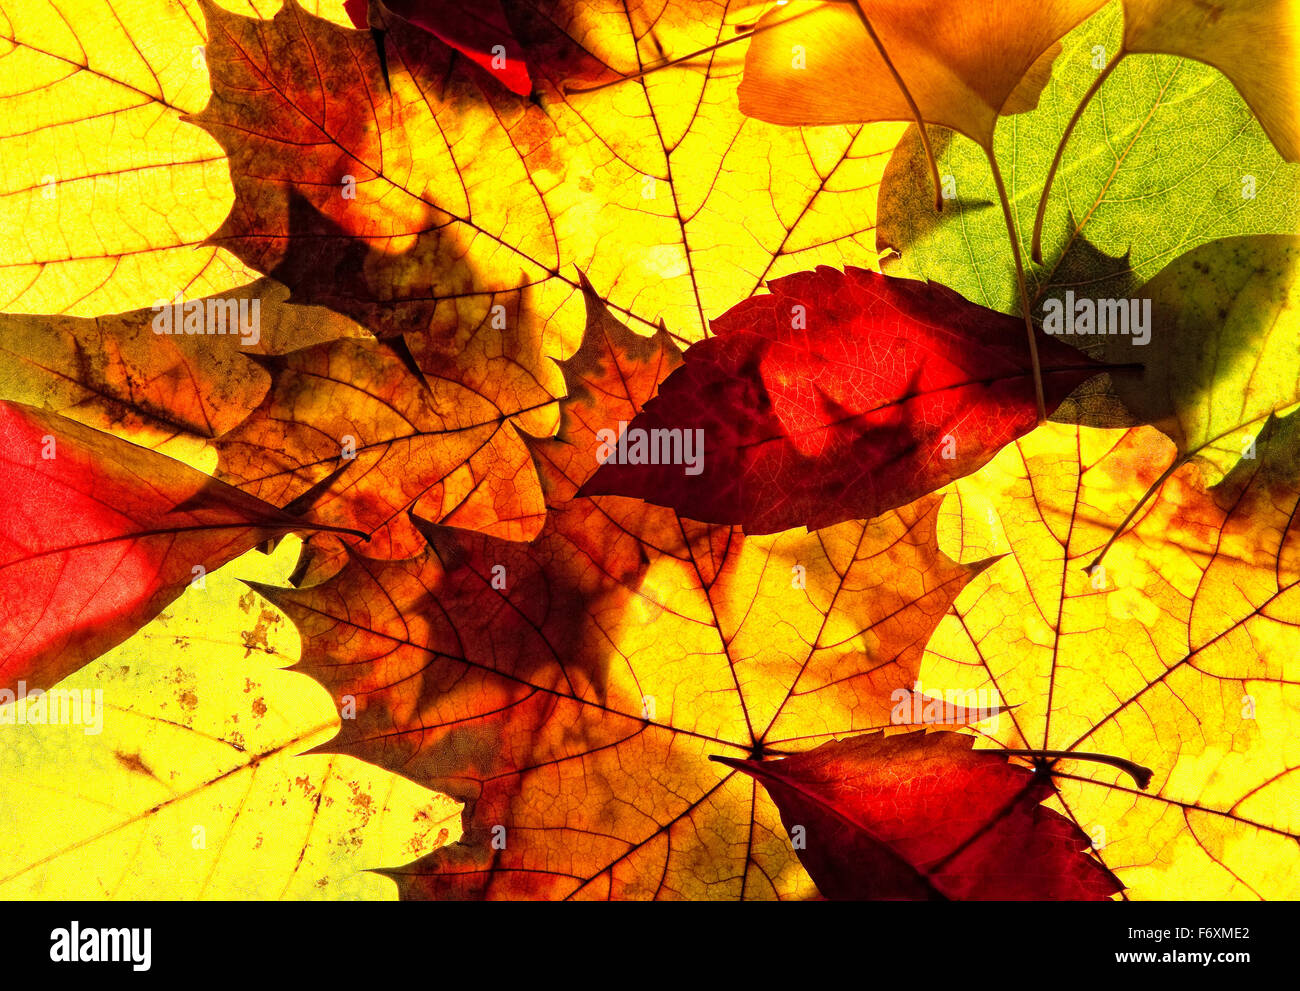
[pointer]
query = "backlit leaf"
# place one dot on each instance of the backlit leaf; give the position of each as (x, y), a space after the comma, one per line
(657, 188)
(923, 817)
(1228, 317)
(1179, 655)
(1255, 43)
(119, 374)
(814, 63)
(572, 690)
(836, 396)
(182, 776)
(100, 535)
(1166, 157)
(107, 196)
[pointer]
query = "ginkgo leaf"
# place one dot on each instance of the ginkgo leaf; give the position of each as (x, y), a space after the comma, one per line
(571, 690)
(106, 196)
(835, 396)
(183, 775)
(963, 64)
(100, 535)
(922, 817)
(118, 373)
(1167, 157)
(1225, 317)
(467, 203)
(1255, 43)
(1177, 654)
(1137, 187)
(1224, 35)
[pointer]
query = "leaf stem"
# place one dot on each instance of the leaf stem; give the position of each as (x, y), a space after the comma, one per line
(911, 103)
(1037, 246)
(1140, 774)
(326, 528)
(1119, 530)
(1020, 282)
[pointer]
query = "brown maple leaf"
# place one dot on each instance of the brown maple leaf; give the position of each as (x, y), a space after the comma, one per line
(117, 373)
(571, 690)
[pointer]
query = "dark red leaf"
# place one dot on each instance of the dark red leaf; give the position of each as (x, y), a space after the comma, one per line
(473, 29)
(99, 536)
(923, 816)
(838, 396)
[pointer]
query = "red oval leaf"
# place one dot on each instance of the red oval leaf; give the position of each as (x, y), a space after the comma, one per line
(836, 396)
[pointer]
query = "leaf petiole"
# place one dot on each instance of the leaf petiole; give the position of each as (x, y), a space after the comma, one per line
(1132, 513)
(1036, 250)
(1020, 282)
(911, 103)
(1141, 775)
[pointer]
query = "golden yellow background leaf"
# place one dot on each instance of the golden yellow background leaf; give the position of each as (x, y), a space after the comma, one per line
(672, 202)
(1179, 656)
(202, 731)
(106, 195)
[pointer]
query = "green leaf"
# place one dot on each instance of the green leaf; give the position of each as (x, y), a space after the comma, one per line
(1226, 328)
(1160, 163)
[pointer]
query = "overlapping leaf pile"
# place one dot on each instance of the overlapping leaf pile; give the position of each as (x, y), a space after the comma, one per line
(635, 501)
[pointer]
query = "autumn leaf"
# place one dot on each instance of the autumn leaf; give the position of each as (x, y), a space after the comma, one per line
(477, 30)
(344, 227)
(571, 690)
(967, 67)
(366, 440)
(964, 66)
(1138, 185)
(1228, 35)
(1221, 314)
(923, 817)
(1177, 654)
(1225, 35)
(107, 195)
(1137, 188)
(100, 535)
(640, 185)
(492, 244)
(835, 396)
(185, 778)
(118, 374)
(480, 329)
